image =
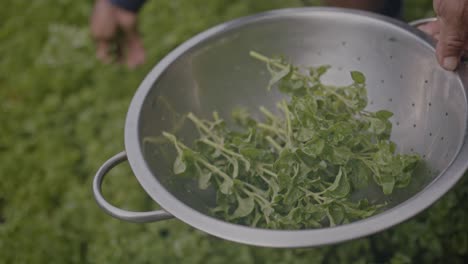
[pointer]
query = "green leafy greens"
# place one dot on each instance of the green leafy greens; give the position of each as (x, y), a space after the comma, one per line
(297, 169)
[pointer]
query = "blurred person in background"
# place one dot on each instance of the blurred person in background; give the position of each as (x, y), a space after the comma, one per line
(110, 16)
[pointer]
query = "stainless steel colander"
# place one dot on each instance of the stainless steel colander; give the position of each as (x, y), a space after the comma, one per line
(213, 71)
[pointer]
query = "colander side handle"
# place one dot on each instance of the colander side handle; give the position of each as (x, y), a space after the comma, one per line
(129, 216)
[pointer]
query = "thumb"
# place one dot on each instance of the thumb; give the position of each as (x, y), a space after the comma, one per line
(452, 34)
(450, 46)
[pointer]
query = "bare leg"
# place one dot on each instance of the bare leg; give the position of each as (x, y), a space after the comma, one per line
(133, 50)
(106, 20)
(103, 29)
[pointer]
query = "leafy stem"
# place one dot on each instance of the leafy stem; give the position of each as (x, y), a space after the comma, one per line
(230, 152)
(274, 143)
(203, 127)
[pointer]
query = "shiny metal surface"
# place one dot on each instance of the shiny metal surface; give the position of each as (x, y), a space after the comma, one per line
(136, 217)
(213, 71)
(422, 21)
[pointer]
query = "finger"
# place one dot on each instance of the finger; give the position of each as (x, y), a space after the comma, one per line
(449, 46)
(437, 36)
(452, 34)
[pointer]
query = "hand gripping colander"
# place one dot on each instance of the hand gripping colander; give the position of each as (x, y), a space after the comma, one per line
(213, 71)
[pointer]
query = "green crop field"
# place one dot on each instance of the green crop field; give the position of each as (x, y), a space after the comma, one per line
(62, 115)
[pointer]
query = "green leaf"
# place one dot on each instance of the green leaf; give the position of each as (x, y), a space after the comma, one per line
(315, 148)
(235, 167)
(226, 186)
(309, 161)
(252, 153)
(242, 116)
(278, 75)
(273, 184)
(267, 210)
(403, 180)
(409, 162)
(343, 188)
(341, 155)
(377, 126)
(331, 220)
(323, 164)
(387, 184)
(359, 210)
(383, 114)
(293, 196)
(336, 214)
(285, 160)
(305, 134)
(204, 180)
(337, 181)
(284, 180)
(340, 186)
(321, 70)
(179, 165)
(360, 175)
(244, 207)
(358, 77)
(316, 211)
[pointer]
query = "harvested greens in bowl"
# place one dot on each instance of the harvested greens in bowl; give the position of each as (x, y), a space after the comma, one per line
(297, 169)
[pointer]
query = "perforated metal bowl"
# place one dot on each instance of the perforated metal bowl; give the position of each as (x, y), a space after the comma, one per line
(213, 71)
